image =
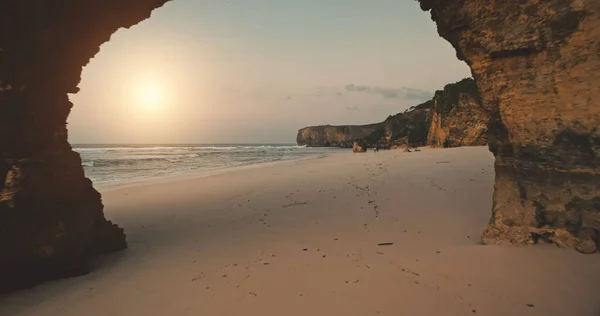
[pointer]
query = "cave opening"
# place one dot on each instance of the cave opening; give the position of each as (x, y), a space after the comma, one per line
(534, 111)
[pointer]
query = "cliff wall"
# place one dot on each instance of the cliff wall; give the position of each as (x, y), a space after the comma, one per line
(459, 118)
(335, 136)
(410, 126)
(536, 65)
(454, 117)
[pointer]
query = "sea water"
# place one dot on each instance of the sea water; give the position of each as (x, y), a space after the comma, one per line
(113, 163)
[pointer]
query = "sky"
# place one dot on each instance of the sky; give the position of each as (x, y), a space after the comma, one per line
(256, 71)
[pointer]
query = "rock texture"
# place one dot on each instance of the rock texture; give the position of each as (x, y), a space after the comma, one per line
(335, 136)
(407, 127)
(536, 64)
(454, 117)
(459, 118)
(359, 146)
(51, 218)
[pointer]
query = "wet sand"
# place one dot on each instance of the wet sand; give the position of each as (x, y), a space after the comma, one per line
(351, 234)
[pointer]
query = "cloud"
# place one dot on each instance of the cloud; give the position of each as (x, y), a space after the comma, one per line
(403, 93)
(352, 108)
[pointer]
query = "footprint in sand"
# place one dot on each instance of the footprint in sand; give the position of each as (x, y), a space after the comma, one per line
(199, 277)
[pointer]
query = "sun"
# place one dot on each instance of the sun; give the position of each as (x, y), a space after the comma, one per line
(150, 96)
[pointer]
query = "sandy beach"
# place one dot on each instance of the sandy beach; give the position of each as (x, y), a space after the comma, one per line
(350, 234)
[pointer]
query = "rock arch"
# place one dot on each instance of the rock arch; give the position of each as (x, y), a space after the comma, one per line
(535, 64)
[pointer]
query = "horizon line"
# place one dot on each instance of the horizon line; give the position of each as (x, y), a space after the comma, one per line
(180, 144)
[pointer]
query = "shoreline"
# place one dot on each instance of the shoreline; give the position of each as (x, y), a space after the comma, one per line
(390, 233)
(199, 174)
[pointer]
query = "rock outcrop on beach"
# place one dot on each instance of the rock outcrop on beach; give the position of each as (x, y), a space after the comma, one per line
(459, 118)
(454, 117)
(51, 218)
(359, 146)
(536, 65)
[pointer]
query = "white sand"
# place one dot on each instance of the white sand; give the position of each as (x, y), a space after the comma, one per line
(233, 244)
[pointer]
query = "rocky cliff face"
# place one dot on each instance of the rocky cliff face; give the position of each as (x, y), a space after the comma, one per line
(51, 218)
(459, 118)
(410, 126)
(454, 117)
(407, 128)
(334, 136)
(536, 65)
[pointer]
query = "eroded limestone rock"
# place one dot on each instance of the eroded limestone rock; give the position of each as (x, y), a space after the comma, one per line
(51, 218)
(453, 117)
(336, 136)
(410, 126)
(536, 65)
(459, 118)
(359, 146)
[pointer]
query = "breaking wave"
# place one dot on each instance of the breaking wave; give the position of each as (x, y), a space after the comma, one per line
(109, 163)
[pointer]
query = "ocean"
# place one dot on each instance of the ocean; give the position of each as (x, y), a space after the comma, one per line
(115, 163)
